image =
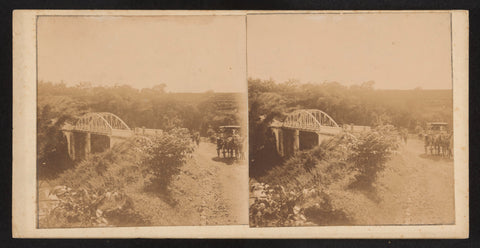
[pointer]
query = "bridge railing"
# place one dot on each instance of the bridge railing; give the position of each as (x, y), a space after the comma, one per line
(147, 131)
(330, 130)
(121, 133)
(356, 128)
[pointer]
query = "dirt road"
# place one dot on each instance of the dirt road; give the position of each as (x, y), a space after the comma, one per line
(221, 190)
(208, 191)
(413, 189)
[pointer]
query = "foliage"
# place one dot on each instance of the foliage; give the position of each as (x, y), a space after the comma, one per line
(93, 193)
(312, 167)
(83, 208)
(274, 207)
(264, 107)
(370, 153)
(165, 155)
(358, 104)
(96, 192)
(52, 155)
(106, 179)
(147, 107)
(296, 192)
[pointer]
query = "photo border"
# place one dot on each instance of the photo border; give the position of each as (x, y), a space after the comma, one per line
(24, 147)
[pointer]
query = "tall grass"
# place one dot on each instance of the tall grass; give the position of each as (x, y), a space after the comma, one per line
(296, 193)
(96, 191)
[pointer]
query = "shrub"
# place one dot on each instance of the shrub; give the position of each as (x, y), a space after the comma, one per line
(306, 177)
(310, 167)
(274, 207)
(93, 192)
(370, 153)
(52, 154)
(87, 208)
(165, 155)
(323, 213)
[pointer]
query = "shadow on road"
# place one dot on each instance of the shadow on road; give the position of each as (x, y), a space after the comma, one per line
(158, 189)
(367, 189)
(435, 157)
(228, 161)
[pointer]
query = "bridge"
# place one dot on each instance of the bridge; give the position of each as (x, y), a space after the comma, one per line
(98, 131)
(303, 129)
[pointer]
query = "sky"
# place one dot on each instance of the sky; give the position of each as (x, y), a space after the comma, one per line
(201, 53)
(187, 53)
(396, 51)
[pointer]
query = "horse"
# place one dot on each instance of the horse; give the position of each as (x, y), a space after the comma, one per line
(226, 147)
(447, 145)
(219, 146)
(428, 143)
(438, 144)
(236, 145)
(231, 146)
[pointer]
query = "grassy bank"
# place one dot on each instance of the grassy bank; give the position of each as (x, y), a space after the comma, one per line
(115, 188)
(298, 191)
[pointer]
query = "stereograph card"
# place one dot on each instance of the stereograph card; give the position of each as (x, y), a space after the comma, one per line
(240, 124)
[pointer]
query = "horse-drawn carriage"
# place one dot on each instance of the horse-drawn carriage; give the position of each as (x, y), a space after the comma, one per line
(438, 139)
(230, 142)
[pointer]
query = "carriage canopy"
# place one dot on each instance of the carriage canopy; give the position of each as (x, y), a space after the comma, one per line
(437, 127)
(229, 130)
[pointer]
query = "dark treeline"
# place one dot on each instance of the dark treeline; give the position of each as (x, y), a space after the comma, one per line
(356, 104)
(149, 108)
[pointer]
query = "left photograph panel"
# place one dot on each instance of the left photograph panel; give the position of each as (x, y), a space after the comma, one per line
(141, 121)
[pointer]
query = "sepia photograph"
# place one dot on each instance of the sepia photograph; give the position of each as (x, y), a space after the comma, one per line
(140, 121)
(240, 124)
(350, 119)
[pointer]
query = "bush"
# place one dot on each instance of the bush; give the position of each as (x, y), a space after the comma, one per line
(303, 178)
(274, 206)
(308, 176)
(165, 155)
(52, 150)
(84, 208)
(312, 167)
(94, 192)
(323, 213)
(370, 153)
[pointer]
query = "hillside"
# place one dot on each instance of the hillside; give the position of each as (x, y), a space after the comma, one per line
(110, 189)
(332, 184)
(413, 189)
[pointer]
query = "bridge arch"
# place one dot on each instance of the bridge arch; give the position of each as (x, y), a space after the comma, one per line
(309, 120)
(303, 129)
(101, 123)
(95, 132)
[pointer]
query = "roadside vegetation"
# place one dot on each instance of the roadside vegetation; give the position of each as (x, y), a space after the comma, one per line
(149, 107)
(99, 191)
(297, 190)
(112, 187)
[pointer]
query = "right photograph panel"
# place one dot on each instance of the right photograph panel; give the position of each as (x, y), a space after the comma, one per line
(350, 119)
